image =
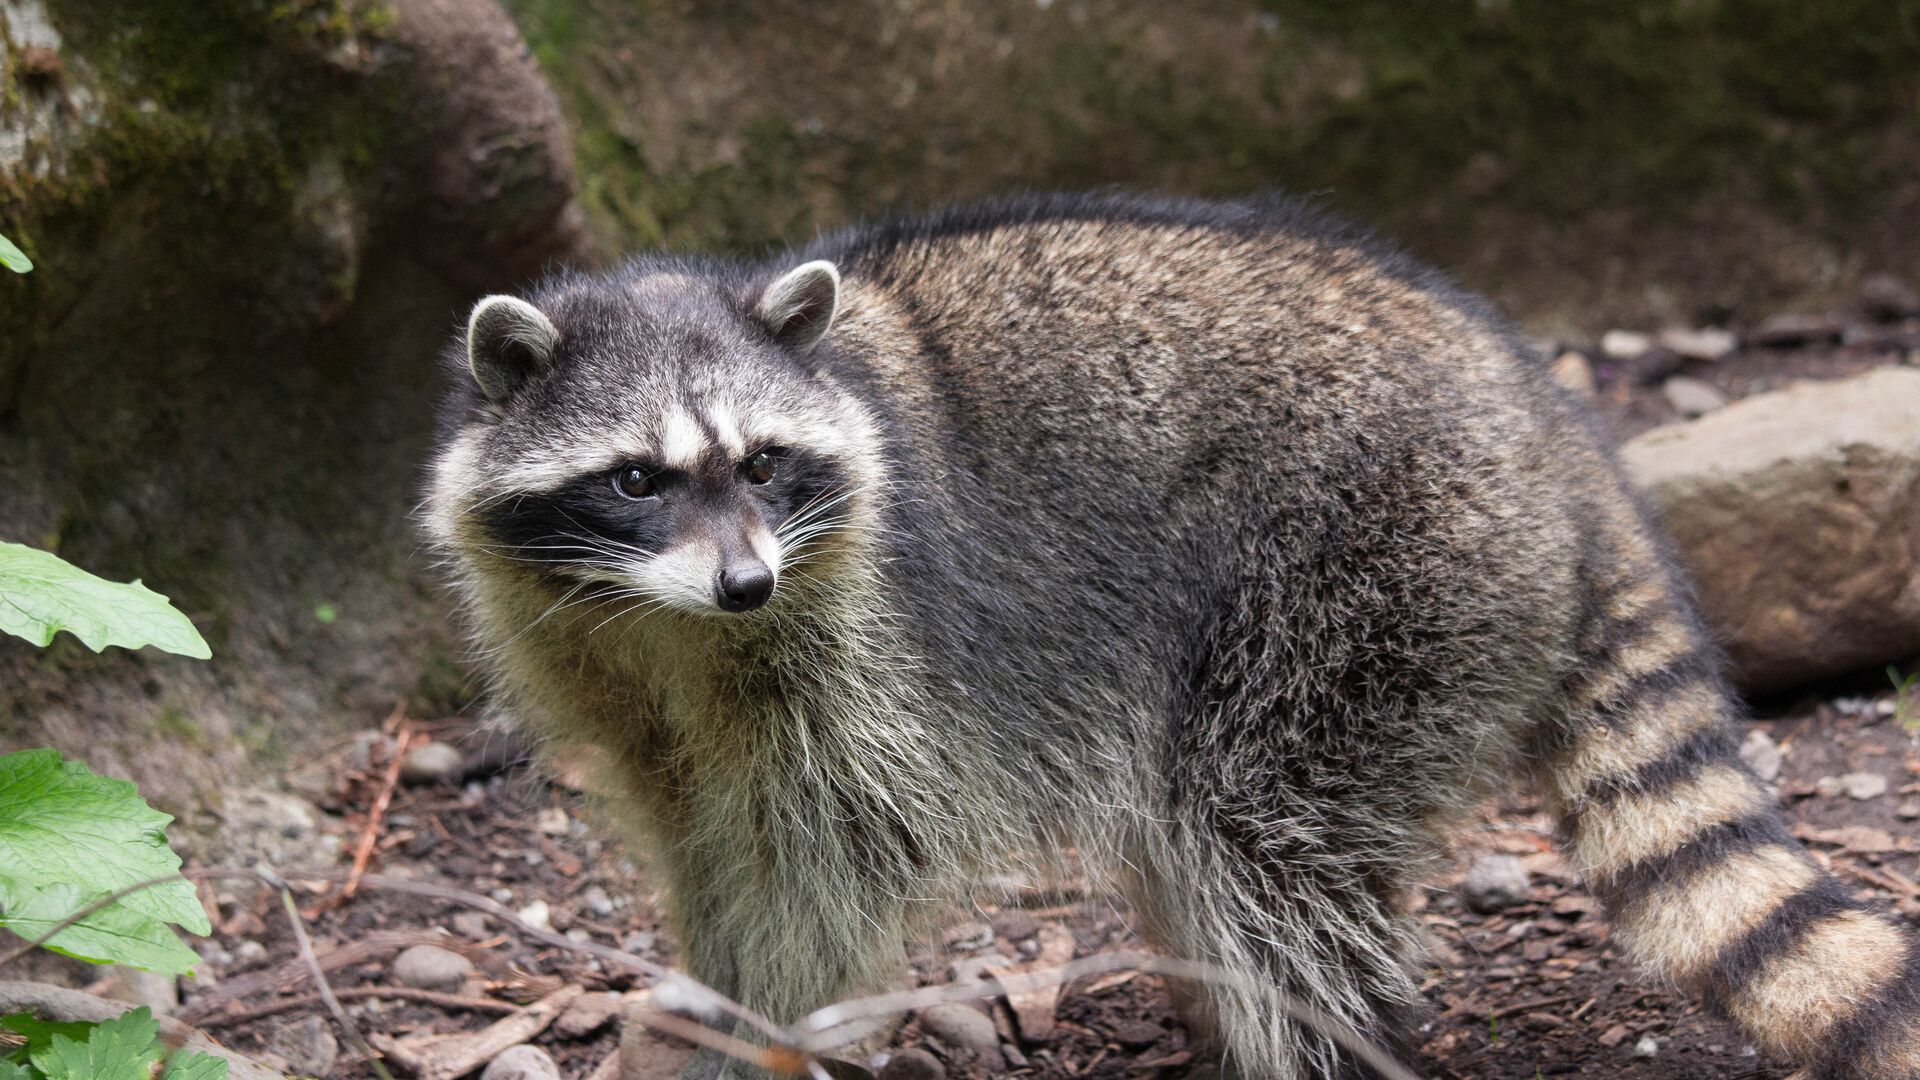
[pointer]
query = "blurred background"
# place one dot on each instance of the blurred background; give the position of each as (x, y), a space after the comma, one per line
(255, 223)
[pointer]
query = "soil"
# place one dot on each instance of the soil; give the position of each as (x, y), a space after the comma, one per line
(1533, 990)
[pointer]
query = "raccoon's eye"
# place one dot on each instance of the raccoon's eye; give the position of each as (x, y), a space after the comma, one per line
(635, 482)
(761, 467)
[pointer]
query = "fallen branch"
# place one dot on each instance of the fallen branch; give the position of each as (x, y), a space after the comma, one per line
(449, 1057)
(284, 978)
(398, 993)
(363, 850)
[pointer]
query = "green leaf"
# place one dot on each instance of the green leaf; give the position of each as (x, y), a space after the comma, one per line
(10, 1071)
(112, 935)
(39, 1033)
(193, 1065)
(13, 258)
(42, 594)
(62, 825)
(125, 1048)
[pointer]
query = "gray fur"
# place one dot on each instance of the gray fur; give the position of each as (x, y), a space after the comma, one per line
(1206, 538)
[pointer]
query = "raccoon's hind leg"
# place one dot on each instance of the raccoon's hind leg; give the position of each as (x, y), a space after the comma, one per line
(1275, 891)
(1689, 853)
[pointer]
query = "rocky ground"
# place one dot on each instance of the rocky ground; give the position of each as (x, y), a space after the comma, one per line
(1522, 983)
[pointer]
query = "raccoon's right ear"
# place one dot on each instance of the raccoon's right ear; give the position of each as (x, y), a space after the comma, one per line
(508, 339)
(798, 309)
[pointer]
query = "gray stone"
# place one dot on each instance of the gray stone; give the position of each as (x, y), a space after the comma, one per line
(1761, 754)
(588, 1014)
(1692, 397)
(1863, 785)
(1495, 882)
(1647, 1047)
(1795, 513)
(432, 762)
(1785, 331)
(308, 1046)
(472, 925)
(1706, 343)
(598, 903)
(521, 1063)
(1884, 296)
(1624, 344)
(913, 1063)
(1575, 372)
(430, 967)
(963, 1028)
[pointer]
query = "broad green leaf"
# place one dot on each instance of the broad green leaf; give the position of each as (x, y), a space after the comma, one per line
(42, 594)
(39, 1033)
(10, 1071)
(124, 1048)
(112, 935)
(61, 824)
(13, 258)
(193, 1065)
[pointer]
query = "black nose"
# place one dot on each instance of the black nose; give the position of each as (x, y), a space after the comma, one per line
(744, 588)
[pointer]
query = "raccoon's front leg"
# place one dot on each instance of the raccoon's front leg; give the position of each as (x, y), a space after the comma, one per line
(786, 933)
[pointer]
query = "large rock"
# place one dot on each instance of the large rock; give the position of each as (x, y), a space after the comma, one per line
(1798, 515)
(254, 226)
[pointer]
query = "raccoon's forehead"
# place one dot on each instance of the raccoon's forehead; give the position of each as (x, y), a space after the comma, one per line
(683, 431)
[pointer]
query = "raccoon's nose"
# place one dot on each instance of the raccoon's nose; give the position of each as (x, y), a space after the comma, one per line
(743, 588)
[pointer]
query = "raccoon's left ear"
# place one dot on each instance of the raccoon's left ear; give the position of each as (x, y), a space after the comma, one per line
(798, 309)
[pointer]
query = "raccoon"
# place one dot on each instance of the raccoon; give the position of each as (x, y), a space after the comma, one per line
(1210, 539)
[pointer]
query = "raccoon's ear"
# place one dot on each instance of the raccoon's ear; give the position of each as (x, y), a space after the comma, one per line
(507, 340)
(799, 308)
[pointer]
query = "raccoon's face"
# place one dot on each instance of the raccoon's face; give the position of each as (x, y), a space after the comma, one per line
(655, 437)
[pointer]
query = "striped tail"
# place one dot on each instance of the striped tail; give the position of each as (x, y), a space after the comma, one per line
(1688, 851)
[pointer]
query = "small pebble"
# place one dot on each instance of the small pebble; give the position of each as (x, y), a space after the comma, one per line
(1495, 882)
(431, 762)
(502, 895)
(1692, 397)
(640, 942)
(597, 901)
(1575, 372)
(521, 1063)
(471, 925)
(1828, 787)
(1863, 785)
(1761, 754)
(308, 1046)
(1707, 343)
(962, 1027)
(537, 914)
(588, 1014)
(1908, 810)
(1646, 1047)
(551, 820)
(1624, 344)
(430, 967)
(913, 1063)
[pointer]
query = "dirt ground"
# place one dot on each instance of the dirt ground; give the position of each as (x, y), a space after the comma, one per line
(1530, 990)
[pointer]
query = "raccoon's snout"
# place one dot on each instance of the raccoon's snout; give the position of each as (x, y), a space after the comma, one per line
(744, 587)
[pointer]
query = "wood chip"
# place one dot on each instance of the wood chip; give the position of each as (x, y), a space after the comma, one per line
(452, 1056)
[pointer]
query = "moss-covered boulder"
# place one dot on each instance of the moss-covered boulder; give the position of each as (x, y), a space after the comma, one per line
(255, 222)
